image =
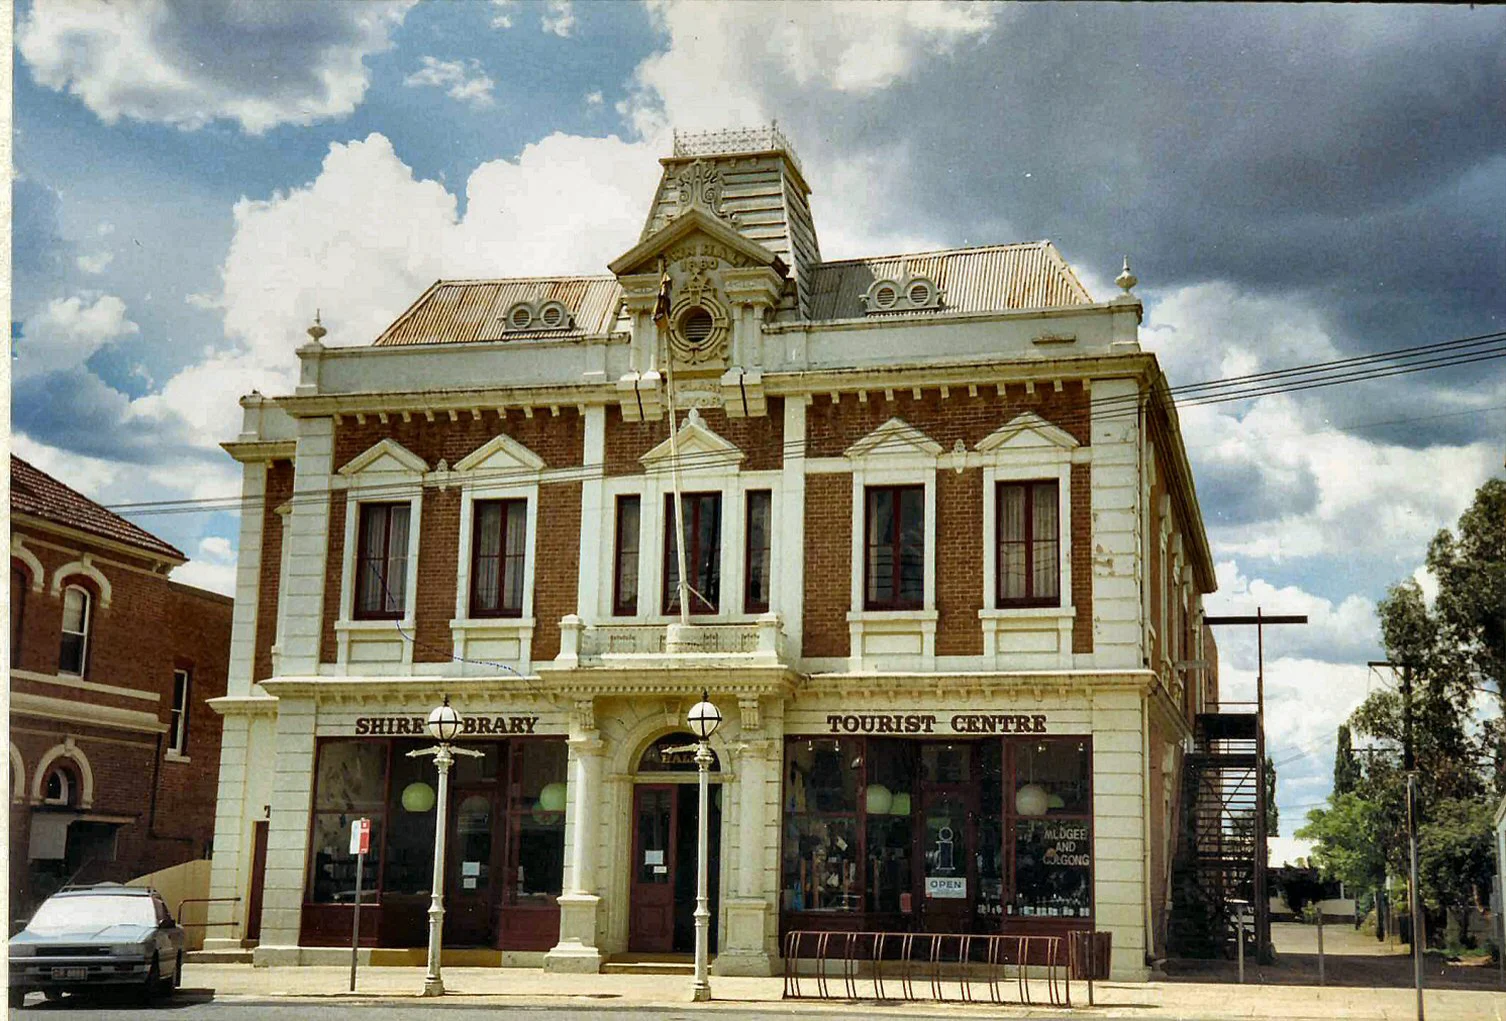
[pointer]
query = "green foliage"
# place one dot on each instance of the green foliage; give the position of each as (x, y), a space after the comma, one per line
(1272, 816)
(1346, 764)
(1347, 841)
(1454, 858)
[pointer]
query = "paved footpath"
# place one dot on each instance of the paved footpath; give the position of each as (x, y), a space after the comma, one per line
(1151, 1001)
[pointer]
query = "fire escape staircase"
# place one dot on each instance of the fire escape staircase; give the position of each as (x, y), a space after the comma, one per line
(1217, 859)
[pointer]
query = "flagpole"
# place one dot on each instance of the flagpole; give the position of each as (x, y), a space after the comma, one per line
(661, 321)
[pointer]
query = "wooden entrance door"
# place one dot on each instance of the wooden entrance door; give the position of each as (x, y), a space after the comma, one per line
(651, 914)
(472, 880)
(258, 880)
(948, 836)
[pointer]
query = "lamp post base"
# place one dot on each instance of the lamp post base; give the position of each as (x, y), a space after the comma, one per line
(701, 994)
(433, 987)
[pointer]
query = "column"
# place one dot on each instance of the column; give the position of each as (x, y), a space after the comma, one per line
(302, 606)
(292, 767)
(577, 950)
(743, 948)
(247, 580)
(594, 516)
(229, 868)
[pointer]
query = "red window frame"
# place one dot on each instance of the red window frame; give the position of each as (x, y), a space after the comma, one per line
(701, 600)
(761, 553)
(1026, 543)
(365, 556)
(509, 603)
(896, 545)
(625, 554)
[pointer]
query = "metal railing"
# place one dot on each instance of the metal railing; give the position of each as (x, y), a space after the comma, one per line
(924, 966)
(233, 922)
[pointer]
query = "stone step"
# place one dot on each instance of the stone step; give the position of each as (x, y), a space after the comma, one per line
(645, 964)
(217, 957)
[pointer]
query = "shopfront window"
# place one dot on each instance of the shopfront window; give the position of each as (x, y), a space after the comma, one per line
(823, 778)
(1051, 825)
(536, 816)
(350, 783)
(410, 841)
(889, 808)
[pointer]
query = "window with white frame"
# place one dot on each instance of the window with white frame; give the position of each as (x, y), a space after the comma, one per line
(625, 556)
(702, 519)
(177, 727)
(1029, 543)
(73, 654)
(499, 554)
(758, 541)
(894, 530)
(382, 561)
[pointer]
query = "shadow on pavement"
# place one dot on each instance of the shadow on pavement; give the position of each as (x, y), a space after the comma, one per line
(1352, 970)
(181, 998)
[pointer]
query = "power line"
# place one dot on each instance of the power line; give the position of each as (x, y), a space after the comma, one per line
(1100, 408)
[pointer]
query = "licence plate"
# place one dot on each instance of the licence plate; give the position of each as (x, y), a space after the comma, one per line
(69, 974)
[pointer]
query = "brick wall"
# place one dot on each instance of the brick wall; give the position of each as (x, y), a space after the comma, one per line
(559, 440)
(832, 428)
(279, 491)
(556, 577)
(334, 566)
(438, 557)
(959, 563)
(828, 565)
(760, 439)
(1082, 557)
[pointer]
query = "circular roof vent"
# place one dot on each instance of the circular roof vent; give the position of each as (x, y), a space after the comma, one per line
(553, 316)
(521, 317)
(696, 326)
(885, 295)
(920, 293)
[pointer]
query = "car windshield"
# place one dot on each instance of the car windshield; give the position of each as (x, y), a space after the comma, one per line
(90, 914)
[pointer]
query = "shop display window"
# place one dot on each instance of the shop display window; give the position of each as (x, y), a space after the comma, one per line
(821, 853)
(1051, 827)
(536, 811)
(409, 861)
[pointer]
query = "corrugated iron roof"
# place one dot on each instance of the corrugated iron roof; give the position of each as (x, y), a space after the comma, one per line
(35, 493)
(458, 311)
(993, 278)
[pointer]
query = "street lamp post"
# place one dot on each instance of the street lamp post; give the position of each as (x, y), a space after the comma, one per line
(704, 718)
(444, 724)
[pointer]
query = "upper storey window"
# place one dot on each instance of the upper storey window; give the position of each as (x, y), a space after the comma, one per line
(498, 555)
(382, 561)
(19, 583)
(703, 552)
(895, 540)
(74, 653)
(759, 540)
(1029, 530)
(625, 573)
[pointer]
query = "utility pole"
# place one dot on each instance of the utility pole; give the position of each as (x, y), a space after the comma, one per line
(1409, 766)
(1261, 903)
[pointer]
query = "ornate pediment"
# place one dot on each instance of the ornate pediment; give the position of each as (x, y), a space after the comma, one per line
(500, 453)
(895, 438)
(698, 447)
(385, 456)
(695, 233)
(1028, 431)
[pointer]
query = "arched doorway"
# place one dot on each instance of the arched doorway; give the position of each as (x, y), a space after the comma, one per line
(666, 816)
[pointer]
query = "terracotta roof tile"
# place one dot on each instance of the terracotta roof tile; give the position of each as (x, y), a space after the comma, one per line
(35, 493)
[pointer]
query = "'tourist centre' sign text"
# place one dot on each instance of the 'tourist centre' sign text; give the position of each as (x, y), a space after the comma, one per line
(936, 723)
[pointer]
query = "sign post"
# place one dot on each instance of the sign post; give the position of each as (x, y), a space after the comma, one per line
(360, 843)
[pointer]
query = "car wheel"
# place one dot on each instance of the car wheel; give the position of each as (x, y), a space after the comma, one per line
(52, 995)
(153, 984)
(178, 972)
(17, 998)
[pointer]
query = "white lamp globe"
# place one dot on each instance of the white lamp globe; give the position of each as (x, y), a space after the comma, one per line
(880, 799)
(418, 797)
(1031, 799)
(444, 722)
(704, 718)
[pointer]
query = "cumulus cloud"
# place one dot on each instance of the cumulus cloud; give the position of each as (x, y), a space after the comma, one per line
(502, 13)
(67, 332)
(558, 18)
(211, 566)
(188, 63)
(461, 79)
(95, 263)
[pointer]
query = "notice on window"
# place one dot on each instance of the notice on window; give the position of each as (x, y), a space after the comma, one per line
(470, 868)
(468, 883)
(661, 870)
(653, 857)
(946, 887)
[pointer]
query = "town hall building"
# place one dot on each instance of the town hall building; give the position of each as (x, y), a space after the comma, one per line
(944, 570)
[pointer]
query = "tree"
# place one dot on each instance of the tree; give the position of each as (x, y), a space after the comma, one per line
(1346, 765)
(1272, 816)
(1347, 841)
(1455, 862)
(1471, 572)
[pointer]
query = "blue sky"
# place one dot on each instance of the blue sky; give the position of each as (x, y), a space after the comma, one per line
(1292, 185)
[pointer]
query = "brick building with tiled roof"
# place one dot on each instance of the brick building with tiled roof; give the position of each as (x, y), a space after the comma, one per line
(114, 754)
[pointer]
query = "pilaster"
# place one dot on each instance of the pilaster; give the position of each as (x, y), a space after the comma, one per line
(302, 609)
(292, 764)
(238, 675)
(577, 950)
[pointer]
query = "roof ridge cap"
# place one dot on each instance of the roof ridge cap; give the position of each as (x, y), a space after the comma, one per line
(935, 251)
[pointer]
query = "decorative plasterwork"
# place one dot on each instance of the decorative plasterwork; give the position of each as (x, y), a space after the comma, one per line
(698, 447)
(67, 750)
(740, 250)
(1027, 430)
(750, 718)
(895, 438)
(33, 565)
(85, 566)
(699, 185)
(386, 455)
(585, 713)
(938, 684)
(17, 775)
(500, 452)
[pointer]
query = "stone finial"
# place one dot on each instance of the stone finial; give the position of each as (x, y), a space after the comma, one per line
(1126, 279)
(317, 331)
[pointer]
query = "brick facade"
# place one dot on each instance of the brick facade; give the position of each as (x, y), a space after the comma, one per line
(159, 807)
(279, 491)
(832, 428)
(828, 564)
(557, 577)
(760, 439)
(959, 563)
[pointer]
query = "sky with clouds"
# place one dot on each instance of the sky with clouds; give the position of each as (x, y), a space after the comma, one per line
(1292, 184)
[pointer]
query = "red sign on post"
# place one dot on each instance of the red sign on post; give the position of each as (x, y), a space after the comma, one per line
(360, 836)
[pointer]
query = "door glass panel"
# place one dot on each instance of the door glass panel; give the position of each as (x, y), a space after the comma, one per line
(473, 840)
(946, 847)
(946, 763)
(653, 835)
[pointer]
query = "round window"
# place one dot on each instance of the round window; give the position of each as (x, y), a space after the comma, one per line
(885, 296)
(696, 326)
(520, 318)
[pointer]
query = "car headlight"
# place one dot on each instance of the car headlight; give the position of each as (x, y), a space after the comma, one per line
(137, 950)
(22, 950)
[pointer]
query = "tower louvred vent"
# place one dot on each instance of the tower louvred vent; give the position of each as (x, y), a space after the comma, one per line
(553, 316)
(885, 296)
(520, 318)
(697, 326)
(920, 293)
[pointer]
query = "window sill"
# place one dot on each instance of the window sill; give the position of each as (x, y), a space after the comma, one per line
(385, 624)
(172, 756)
(470, 624)
(898, 616)
(1035, 613)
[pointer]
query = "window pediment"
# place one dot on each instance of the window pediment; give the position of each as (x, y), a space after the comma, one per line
(896, 438)
(386, 456)
(1028, 431)
(500, 453)
(700, 449)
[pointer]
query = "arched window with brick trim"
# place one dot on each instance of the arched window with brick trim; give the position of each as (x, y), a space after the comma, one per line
(61, 785)
(19, 584)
